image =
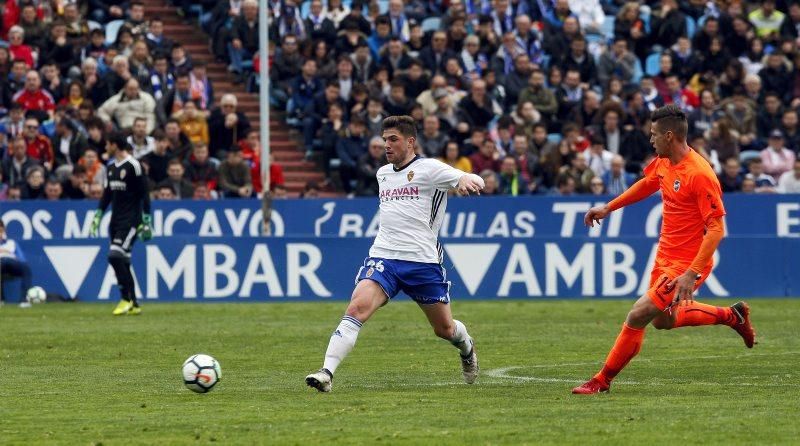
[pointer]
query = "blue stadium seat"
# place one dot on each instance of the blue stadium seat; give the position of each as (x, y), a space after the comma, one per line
(554, 137)
(638, 72)
(747, 155)
(607, 28)
(691, 27)
(112, 29)
(305, 9)
(383, 6)
(652, 65)
(93, 25)
(431, 24)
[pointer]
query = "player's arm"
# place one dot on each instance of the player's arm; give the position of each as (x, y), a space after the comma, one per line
(446, 177)
(637, 192)
(101, 208)
(145, 229)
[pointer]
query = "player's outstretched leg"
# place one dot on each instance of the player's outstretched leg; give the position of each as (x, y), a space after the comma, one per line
(693, 314)
(121, 265)
(455, 331)
(626, 347)
(367, 298)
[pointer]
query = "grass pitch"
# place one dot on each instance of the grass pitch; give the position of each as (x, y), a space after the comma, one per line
(72, 374)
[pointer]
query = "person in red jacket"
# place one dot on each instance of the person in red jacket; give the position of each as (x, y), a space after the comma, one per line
(251, 152)
(39, 146)
(33, 98)
(18, 50)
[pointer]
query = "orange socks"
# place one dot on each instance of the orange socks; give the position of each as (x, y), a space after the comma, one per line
(695, 313)
(628, 344)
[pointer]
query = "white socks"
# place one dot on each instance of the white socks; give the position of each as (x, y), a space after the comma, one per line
(342, 341)
(461, 338)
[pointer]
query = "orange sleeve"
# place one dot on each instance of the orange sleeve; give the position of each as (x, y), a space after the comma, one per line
(639, 190)
(708, 195)
(711, 239)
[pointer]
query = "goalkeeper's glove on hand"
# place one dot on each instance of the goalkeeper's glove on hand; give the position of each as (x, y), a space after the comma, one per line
(98, 215)
(145, 228)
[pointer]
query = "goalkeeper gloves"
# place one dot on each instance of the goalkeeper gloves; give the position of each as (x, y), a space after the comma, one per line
(98, 215)
(145, 228)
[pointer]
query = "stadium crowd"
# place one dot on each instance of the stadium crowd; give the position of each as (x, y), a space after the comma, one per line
(536, 96)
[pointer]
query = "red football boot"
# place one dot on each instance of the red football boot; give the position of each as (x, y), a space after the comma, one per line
(742, 326)
(590, 387)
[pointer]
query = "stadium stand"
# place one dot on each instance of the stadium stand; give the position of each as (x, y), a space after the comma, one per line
(489, 71)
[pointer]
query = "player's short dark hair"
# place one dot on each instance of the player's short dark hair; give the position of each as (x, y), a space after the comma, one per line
(174, 161)
(671, 118)
(404, 124)
(119, 140)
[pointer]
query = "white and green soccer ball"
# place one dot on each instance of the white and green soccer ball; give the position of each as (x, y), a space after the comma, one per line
(201, 373)
(36, 295)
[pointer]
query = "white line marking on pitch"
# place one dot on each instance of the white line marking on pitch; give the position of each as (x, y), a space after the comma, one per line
(502, 373)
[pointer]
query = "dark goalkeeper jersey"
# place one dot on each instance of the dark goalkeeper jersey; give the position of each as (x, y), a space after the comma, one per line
(126, 191)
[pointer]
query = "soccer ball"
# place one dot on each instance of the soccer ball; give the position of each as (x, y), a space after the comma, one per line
(36, 295)
(201, 373)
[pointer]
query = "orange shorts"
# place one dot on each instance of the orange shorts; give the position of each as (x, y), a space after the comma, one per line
(664, 271)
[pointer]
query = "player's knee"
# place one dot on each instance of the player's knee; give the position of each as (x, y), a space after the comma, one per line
(638, 318)
(115, 256)
(662, 324)
(444, 331)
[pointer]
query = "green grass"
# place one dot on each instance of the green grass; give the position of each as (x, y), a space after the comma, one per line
(72, 374)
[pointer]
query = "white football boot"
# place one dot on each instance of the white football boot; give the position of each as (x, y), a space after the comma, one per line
(320, 380)
(469, 365)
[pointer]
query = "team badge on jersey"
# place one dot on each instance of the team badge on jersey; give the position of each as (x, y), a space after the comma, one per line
(410, 175)
(370, 272)
(676, 185)
(122, 174)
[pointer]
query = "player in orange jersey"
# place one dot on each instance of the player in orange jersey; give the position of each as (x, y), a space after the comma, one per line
(691, 229)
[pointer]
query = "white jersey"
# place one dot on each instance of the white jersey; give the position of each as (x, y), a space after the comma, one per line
(413, 202)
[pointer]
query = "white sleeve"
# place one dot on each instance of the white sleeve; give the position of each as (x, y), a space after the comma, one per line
(443, 176)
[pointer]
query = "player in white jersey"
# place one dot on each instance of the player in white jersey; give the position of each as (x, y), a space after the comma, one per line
(406, 255)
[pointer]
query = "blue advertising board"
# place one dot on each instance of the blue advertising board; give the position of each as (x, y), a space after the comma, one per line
(531, 247)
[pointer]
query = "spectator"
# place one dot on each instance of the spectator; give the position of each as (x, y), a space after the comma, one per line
(789, 182)
(234, 175)
(180, 62)
(3, 187)
(76, 187)
(619, 61)
(34, 28)
(18, 49)
(433, 57)
(118, 75)
(579, 170)
(667, 23)
(97, 90)
(155, 37)
(13, 125)
(130, 103)
(731, 177)
(51, 81)
(682, 97)
(395, 58)
(616, 180)
(332, 128)
(38, 146)
(584, 113)
(650, 94)
(565, 185)
(477, 109)
(374, 117)
(53, 191)
(156, 162)
(368, 165)
(397, 103)
(486, 158)
(95, 170)
(490, 183)
(192, 123)
(304, 87)
(202, 90)
(763, 183)
(96, 48)
(766, 20)
(179, 144)
(364, 64)
(172, 102)
(33, 189)
(629, 26)
(244, 36)
(175, 179)
(686, 62)
(76, 94)
(202, 192)
(199, 169)
(317, 26)
(34, 100)
(13, 262)
(453, 158)
(597, 186)
(415, 79)
(511, 182)
(136, 21)
(701, 119)
(68, 144)
(97, 139)
(775, 77)
(769, 116)
(226, 125)
(597, 157)
(162, 81)
(311, 190)
(791, 132)
(777, 159)
(431, 139)
(141, 63)
(57, 49)
(251, 153)
(748, 185)
(515, 81)
(723, 140)
(14, 193)
(380, 36)
(141, 144)
(349, 149)
(165, 192)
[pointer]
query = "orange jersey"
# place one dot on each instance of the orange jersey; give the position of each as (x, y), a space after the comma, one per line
(692, 195)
